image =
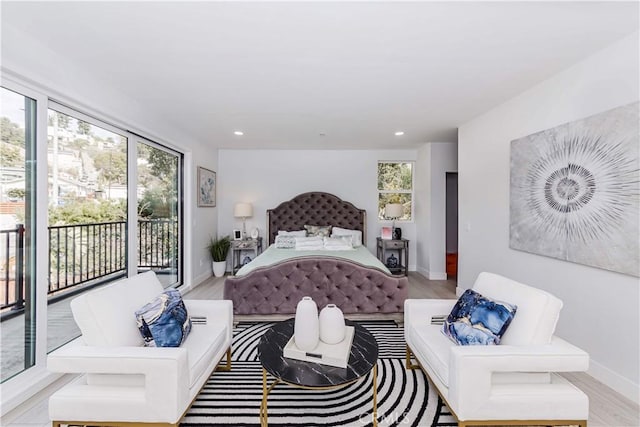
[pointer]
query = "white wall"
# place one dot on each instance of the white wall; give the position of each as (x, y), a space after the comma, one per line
(600, 311)
(435, 159)
(266, 178)
(31, 63)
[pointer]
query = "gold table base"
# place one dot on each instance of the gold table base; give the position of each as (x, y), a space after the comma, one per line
(264, 422)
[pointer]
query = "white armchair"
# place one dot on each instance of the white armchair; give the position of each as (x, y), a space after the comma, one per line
(123, 381)
(514, 383)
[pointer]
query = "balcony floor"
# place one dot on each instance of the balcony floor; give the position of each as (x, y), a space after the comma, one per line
(61, 328)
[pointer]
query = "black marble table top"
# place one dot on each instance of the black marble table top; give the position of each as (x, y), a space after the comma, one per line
(364, 355)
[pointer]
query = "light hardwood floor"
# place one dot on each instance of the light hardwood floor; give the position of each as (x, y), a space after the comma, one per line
(607, 408)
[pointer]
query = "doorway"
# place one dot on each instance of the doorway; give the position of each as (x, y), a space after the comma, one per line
(451, 224)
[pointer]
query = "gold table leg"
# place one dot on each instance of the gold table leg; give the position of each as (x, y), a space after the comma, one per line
(375, 395)
(264, 422)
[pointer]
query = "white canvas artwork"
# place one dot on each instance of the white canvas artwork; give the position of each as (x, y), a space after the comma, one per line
(575, 191)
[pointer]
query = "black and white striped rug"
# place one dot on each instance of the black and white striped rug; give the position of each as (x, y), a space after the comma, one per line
(405, 397)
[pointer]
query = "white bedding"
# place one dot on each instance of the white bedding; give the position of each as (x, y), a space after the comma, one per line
(273, 255)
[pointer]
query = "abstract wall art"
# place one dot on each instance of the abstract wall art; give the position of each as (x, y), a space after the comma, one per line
(206, 188)
(575, 191)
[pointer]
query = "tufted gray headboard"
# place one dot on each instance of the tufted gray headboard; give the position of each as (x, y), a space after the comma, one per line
(315, 208)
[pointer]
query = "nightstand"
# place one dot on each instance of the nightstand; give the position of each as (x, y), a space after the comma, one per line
(398, 260)
(240, 246)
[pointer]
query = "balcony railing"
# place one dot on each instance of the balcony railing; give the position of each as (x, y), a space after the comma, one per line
(80, 254)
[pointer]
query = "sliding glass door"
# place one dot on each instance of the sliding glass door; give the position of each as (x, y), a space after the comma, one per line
(109, 206)
(17, 232)
(87, 163)
(159, 212)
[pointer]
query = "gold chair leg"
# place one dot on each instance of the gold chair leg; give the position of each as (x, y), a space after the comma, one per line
(408, 360)
(227, 366)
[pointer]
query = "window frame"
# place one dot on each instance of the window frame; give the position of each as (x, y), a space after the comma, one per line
(411, 192)
(20, 387)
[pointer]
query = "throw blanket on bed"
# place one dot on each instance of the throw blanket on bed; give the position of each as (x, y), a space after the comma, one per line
(273, 255)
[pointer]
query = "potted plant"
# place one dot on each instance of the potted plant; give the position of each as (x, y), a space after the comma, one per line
(219, 249)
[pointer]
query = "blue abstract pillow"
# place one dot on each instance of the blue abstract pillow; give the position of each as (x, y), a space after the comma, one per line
(164, 322)
(478, 320)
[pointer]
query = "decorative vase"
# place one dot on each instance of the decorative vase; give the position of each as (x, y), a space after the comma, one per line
(219, 268)
(392, 261)
(332, 327)
(306, 331)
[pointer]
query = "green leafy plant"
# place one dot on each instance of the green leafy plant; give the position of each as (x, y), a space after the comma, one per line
(219, 248)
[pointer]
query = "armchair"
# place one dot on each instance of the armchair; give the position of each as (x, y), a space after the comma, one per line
(123, 382)
(514, 383)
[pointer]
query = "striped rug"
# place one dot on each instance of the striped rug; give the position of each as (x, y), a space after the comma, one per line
(405, 398)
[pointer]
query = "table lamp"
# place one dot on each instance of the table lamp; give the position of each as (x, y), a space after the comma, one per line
(394, 211)
(244, 211)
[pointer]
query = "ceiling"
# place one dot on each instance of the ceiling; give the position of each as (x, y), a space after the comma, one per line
(319, 75)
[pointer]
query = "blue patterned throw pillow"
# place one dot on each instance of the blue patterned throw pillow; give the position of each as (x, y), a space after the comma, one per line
(164, 322)
(478, 320)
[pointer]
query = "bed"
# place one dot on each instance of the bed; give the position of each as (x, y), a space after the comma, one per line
(357, 283)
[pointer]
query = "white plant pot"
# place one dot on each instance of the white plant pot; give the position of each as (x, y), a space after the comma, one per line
(306, 331)
(219, 268)
(332, 327)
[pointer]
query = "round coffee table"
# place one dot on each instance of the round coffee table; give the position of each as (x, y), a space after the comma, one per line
(363, 358)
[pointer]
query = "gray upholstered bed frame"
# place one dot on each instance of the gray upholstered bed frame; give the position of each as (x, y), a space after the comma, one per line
(353, 287)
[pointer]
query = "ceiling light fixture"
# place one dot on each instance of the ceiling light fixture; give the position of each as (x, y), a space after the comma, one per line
(238, 133)
(399, 133)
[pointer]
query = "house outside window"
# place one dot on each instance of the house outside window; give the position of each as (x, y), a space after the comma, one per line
(395, 185)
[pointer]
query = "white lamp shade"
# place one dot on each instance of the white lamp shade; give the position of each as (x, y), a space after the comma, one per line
(243, 210)
(393, 210)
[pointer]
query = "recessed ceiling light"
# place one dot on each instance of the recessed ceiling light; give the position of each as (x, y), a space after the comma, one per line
(399, 133)
(238, 133)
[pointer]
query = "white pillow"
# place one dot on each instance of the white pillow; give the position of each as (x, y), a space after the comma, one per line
(313, 243)
(341, 243)
(298, 233)
(356, 235)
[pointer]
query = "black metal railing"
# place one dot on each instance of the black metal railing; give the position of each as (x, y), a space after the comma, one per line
(81, 253)
(12, 268)
(157, 243)
(84, 253)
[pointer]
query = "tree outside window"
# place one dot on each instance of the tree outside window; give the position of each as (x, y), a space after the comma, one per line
(395, 185)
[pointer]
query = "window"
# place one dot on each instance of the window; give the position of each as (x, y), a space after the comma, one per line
(159, 212)
(17, 233)
(395, 185)
(87, 184)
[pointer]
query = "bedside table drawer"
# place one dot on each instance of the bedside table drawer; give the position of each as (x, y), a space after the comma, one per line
(394, 244)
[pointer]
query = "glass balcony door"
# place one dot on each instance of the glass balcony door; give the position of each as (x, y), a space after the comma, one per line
(159, 197)
(17, 232)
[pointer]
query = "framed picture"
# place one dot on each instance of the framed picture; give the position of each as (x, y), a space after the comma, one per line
(206, 188)
(386, 233)
(237, 234)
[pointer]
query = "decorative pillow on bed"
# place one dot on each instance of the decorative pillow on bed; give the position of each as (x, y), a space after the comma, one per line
(356, 235)
(478, 320)
(342, 243)
(313, 243)
(164, 322)
(297, 233)
(286, 242)
(318, 230)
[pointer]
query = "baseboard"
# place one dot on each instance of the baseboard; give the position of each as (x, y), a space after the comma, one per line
(614, 380)
(429, 275)
(460, 291)
(198, 280)
(437, 276)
